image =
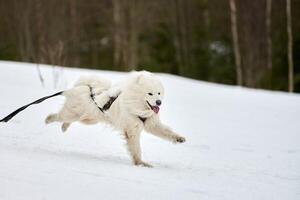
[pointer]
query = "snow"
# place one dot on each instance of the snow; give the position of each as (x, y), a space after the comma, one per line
(241, 144)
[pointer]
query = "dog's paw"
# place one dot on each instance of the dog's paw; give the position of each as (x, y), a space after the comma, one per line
(49, 119)
(179, 139)
(64, 127)
(143, 164)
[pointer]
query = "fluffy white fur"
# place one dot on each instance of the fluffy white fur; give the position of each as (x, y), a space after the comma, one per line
(134, 97)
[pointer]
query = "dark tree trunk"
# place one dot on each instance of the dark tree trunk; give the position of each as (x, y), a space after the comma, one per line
(235, 39)
(290, 45)
(253, 42)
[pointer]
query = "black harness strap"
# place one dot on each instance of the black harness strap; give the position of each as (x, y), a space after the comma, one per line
(107, 104)
(92, 95)
(11, 115)
(142, 119)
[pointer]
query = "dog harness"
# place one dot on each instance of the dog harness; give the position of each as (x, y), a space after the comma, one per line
(108, 103)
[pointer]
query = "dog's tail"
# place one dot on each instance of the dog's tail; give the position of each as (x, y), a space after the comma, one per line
(11, 115)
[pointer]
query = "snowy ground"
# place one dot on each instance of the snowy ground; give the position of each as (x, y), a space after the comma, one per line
(241, 144)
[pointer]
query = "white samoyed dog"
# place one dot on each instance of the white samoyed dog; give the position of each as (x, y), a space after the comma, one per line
(130, 107)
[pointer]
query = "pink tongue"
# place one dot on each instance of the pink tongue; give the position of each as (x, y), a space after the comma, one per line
(155, 109)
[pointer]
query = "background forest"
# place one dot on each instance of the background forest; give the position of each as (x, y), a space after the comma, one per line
(254, 43)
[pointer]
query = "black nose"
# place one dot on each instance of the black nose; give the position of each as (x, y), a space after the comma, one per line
(158, 102)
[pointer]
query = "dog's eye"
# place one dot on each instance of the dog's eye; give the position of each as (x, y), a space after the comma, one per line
(150, 94)
(159, 93)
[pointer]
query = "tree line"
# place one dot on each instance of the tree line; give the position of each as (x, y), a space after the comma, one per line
(252, 43)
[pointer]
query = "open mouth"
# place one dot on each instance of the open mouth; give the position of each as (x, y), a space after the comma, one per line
(154, 108)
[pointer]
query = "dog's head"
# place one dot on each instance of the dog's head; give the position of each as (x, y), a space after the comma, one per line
(151, 91)
(145, 94)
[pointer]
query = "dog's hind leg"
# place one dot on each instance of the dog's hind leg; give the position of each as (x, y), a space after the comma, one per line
(51, 118)
(65, 126)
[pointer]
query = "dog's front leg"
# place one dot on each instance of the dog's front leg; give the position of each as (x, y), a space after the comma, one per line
(134, 147)
(155, 127)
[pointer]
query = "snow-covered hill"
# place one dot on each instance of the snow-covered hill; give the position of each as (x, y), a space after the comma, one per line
(241, 144)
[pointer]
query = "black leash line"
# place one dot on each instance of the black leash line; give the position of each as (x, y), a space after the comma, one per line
(11, 115)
